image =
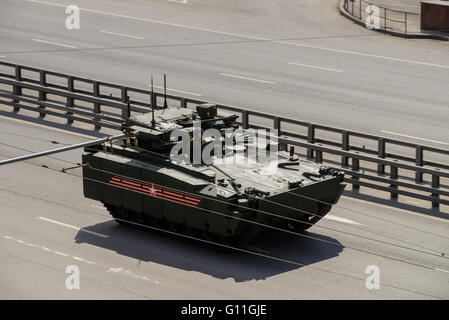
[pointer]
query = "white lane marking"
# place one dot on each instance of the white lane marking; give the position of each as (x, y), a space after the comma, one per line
(121, 34)
(246, 36)
(179, 1)
(83, 260)
(61, 253)
(48, 250)
(314, 67)
(74, 227)
(246, 78)
(180, 91)
(55, 43)
(363, 54)
(442, 270)
(31, 245)
(2, 57)
(120, 270)
(340, 219)
(413, 137)
(396, 209)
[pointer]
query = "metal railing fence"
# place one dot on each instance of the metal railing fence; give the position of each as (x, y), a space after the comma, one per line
(396, 20)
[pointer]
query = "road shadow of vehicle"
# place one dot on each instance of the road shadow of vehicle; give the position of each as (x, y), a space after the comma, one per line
(193, 255)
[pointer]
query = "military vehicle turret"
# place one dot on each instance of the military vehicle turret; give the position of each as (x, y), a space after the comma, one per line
(227, 200)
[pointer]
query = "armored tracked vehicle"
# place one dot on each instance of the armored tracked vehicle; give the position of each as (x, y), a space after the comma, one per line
(226, 200)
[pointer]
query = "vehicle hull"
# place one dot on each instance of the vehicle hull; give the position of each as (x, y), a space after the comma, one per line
(135, 193)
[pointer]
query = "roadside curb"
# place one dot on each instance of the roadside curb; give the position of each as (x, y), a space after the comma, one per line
(391, 32)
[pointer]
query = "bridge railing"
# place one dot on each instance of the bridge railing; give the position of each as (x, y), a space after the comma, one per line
(105, 105)
(396, 20)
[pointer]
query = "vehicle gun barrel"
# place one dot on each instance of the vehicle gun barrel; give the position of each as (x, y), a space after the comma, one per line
(66, 148)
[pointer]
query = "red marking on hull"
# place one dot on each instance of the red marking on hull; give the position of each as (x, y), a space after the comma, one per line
(157, 193)
(176, 198)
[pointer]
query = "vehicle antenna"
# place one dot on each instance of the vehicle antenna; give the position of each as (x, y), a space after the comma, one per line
(165, 92)
(153, 123)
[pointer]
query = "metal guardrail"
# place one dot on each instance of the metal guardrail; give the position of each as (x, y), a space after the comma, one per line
(70, 109)
(390, 18)
(393, 182)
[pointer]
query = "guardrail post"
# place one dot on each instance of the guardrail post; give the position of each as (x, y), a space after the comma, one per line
(69, 104)
(124, 113)
(97, 106)
(381, 154)
(319, 156)
(124, 94)
(70, 84)
(42, 94)
(245, 119)
(17, 90)
(310, 139)
(355, 167)
(125, 110)
(394, 176)
(277, 124)
(345, 147)
(124, 99)
(419, 162)
(97, 109)
(277, 127)
(435, 184)
(43, 83)
(70, 100)
(95, 89)
(360, 10)
(18, 73)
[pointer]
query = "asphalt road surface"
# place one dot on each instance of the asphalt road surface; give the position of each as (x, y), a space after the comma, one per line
(297, 58)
